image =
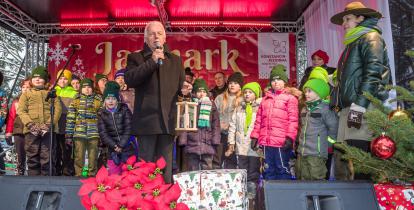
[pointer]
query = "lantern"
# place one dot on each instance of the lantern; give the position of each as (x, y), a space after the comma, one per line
(186, 116)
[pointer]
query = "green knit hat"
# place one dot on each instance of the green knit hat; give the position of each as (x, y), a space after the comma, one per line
(278, 72)
(111, 90)
(41, 72)
(100, 76)
(255, 87)
(319, 73)
(318, 86)
(86, 82)
(200, 84)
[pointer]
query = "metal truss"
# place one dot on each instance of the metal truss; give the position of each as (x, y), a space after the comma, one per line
(16, 19)
(301, 52)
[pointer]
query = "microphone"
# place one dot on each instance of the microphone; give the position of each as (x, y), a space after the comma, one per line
(76, 46)
(158, 47)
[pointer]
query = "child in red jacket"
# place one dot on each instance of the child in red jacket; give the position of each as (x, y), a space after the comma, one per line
(276, 125)
(14, 129)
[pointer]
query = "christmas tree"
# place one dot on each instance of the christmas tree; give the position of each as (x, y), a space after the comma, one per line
(399, 127)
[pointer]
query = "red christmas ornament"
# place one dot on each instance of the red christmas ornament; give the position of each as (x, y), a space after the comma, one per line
(383, 147)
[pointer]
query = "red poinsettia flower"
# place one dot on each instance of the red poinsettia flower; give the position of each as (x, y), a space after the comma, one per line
(101, 187)
(129, 165)
(169, 199)
(140, 187)
(155, 192)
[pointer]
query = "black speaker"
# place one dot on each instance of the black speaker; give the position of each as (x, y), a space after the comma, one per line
(320, 195)
(39, 193)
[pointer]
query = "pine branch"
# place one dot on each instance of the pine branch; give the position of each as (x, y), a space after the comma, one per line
(380, 170)
(376, 102)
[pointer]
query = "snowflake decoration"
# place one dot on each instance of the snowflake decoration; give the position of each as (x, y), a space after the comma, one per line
(58, 54)
(243, 40)
(78, 68)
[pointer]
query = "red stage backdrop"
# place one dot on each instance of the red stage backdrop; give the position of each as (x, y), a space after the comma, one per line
(204, 53)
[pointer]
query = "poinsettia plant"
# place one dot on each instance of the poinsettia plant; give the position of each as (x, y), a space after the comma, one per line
(139, 187)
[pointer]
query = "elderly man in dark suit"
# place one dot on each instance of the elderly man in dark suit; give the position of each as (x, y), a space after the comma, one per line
(158, 77)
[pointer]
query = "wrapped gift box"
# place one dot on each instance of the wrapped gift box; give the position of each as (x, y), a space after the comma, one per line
(223, 189)
(395, 197)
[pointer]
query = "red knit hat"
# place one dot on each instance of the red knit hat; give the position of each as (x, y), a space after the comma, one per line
(321, 54)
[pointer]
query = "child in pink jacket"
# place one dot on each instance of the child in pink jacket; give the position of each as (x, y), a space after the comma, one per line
(276, 125)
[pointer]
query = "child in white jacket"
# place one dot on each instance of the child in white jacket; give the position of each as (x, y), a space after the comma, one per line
(241, 125)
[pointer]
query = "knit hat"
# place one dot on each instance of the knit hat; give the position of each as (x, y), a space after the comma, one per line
(100, 76)
(255, 87)
(319, 87)
(322, 54)
(111, 90)
(319, 73)
(66, 73)
(120, 73)
(41, 72)
(278, 72)
(86, 82)
(75, 77)
(236, 77)
(200, 84)
(188, 72)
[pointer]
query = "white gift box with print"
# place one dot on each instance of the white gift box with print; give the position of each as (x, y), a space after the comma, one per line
(222, 189)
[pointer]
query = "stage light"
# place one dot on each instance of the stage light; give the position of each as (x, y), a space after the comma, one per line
(131, 23)
(247, 24)
(195, 23)
(85, 25)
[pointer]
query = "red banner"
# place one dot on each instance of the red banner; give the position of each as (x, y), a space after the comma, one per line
(204, 53)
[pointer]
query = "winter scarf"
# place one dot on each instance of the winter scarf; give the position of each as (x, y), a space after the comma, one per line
(311, 105)
(249, 113)
(355, 33)
(205, 110)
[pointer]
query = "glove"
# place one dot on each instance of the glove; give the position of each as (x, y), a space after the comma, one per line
(9, 140)
(355, 115)
(230, 150)
(44, 128)
(254, 144)
(34, 128)
(288, 145)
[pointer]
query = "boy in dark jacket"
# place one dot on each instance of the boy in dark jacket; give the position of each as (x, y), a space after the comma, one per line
(200, 145)
(319, 128)
(114, 125)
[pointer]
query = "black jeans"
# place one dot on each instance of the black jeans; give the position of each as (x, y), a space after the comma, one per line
(252, 165)
(152, 147)
(199, 162)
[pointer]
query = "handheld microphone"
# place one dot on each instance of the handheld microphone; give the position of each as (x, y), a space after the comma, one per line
(76, 46)
(159, 47)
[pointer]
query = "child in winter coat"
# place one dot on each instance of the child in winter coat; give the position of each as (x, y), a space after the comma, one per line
(319, 128)
(66, 93)
(114, 124)
(276, 125)
(34, 111)
(200, 145)
(82, 129)
(226, 103)
(241, 126)
(14, 129)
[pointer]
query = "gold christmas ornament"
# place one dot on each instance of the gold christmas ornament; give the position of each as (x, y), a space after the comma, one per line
(399, 112)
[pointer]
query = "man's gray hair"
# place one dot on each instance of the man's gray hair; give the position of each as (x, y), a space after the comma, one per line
(148, 25)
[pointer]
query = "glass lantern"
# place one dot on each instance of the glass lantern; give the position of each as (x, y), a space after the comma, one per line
(186, 116)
